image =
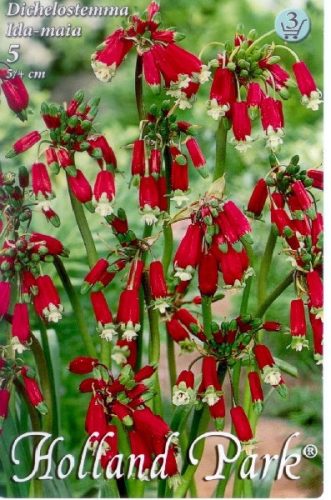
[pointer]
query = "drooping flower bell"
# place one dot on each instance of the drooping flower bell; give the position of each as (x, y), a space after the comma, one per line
(256, 391)
(266, 363)
(298, 325)
(241, 126)
(188, 253)
(183, 392)
(138, 160)
(41, 183)
(33, 391)
(197, 156)
(223, 93)
(20, 328)
(128, 316)
(311, 95)
(149, 199)
(103, 316)
(208, 274)
(16, 94)
(158, 286)
(80, 187)
(179, 334)
(315, 291)
(212, 387)
(47, 301)
(104, 193)
(24, 143)
(242, 427)
(179, 176)
(272, 122)
(258, 198)
(82, 365)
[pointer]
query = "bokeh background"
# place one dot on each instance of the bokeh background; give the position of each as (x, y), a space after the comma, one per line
(67, 67)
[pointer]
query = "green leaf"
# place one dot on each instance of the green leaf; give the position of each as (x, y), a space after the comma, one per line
(286, 367)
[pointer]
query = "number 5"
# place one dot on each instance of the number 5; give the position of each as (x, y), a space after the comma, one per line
(12, 51)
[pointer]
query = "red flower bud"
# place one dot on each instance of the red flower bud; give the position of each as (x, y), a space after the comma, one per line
(80, 187)
(208, 274)
(195, 153)
(188, 253)
(4, 297)
(82, 365)
(258, 198)
(272, 326)
(33, 391)
(144, 373)
(41, 183)
(237, 218)
(241, 424)
(20, 329)
(108, 155)
(24, 143)
(67, 162)
(157, 280)
(138, 158)
(317, 176)
(302, 195)
(255, 388)
(53, 245)
(176, 331)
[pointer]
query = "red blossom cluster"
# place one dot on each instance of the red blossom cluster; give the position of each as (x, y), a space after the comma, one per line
(247, 82)
(296, 220)
(123, 399)
(161, 57)
(70, 131)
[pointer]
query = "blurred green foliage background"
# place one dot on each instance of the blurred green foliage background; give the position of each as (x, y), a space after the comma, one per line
(67, 66)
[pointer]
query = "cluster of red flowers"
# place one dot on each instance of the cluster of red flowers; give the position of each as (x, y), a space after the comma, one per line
(15, 92)
(161, 57)
(70, 131)
(247, 80)
(214, 241)
(296, 219)
(159, 131)
(122, 399)
(11, 372)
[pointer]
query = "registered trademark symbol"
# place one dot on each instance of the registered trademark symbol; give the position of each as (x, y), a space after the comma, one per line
(310, 451)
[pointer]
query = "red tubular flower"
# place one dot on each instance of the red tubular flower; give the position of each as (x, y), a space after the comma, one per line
(96, 419)
(179, 334)
(255, 95)
(212, 387)
(315, 291)
(196, 155)
(278, 200)
(272, 326)
(302, 196)
(226, 227)
(51, 216)
(317, 328)
(103, 316)
(258, 198)
(135, 274)
(158, 286)
(149, 199)
(256, 391)
(106, 61)
(285, 227)
(162, 190)
(155, 162)
(298, 325)
(80, 187)
(279, 77)
(109, 460)
(217, 412)
(138, 158)
(47, 302)
(94, 275)
(241, 424)
(91, 384)
(139, 448)
(108, 155)
(145, 372)
(16, 95)
(67, 162)
(24, 143)
(33, 391)
(272, 122)
(146, 422)
(151, 71)
(190, 322)
(125, 352)
(82, 365)
(270, 372)
(28, 285)
(317, 177)
(20, 328)
(237, 218)
(232, 264)
(223, 93)
(53, 245)
(311, 96)
(4, 297)
(4, 405)
(50, 115)
(128, 316)
(241, 125)
(122, 412)
(179, 176)
(104, 193)
(188, 253)
(183, 391)
(208, 274)
(41, 183)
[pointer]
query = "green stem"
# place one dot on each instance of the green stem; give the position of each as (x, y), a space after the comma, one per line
(221, 135)
(139, 88)
(76, 307)
(202, 418)
(249, 281)
(48, 359)
(207, 316)
(264, 306)
(84, 230)
(265, 266)
(258, 40)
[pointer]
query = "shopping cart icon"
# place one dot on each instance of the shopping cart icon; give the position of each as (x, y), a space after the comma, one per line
(292, 32)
